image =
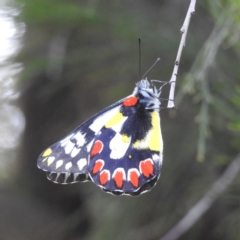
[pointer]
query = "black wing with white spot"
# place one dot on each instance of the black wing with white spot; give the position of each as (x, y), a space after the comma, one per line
(67, 160)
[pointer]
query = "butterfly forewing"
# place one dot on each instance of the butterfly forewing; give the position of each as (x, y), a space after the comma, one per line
(66, 161)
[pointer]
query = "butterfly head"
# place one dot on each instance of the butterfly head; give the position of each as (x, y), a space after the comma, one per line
(148, 94)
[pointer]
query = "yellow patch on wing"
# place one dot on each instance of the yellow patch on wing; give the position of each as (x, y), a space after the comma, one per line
(155, 136)
(47, 152)
(114, 120)
(125, 138)
(153, 139)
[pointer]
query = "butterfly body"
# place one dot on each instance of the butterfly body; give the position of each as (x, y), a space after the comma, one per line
(119, 148)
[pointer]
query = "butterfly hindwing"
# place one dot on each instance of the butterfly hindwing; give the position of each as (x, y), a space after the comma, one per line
(66, 161)
(126, 155)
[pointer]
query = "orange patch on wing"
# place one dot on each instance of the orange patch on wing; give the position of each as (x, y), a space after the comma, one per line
(97, 148)
(104, 177)
(130, 101)
(134, 178)
(146, 167)
(98, 166)
(118, 178)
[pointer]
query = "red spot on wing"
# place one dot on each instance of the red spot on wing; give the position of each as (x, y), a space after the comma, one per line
(146, 167)
(104, 177)
(133, 177)
(118, 178)
(130, 101)
(98, 166)
(97, 148)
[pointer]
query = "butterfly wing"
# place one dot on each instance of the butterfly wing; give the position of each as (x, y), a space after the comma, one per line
(119, 149)
(126, 155)
(67, 160)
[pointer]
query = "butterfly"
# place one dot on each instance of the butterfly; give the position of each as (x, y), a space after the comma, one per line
(119, 148)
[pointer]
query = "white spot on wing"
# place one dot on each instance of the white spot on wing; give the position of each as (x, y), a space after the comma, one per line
(69, 147)
(59, 163)
(99, 122)
(58, 174)
(74, 152)
(68, 165)
(66, 177)
(50, 160)
(80, 139)
(82, 163)
(157, 158)
(118, 147)
(89, 145)
(75, 175)
(144, 143)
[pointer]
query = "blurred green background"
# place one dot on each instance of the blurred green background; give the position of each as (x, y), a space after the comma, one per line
(62, 61)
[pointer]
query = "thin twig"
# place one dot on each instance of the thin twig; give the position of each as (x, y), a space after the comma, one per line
(184, 30)
(208, 52)
(193, 215)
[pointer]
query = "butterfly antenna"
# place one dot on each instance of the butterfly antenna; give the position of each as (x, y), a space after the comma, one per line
(139, 52)
(158, 59)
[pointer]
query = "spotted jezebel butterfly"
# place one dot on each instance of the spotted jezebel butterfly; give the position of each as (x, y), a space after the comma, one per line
(119, 148)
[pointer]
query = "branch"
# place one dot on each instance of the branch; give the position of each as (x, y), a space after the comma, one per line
(184, 30)
(206, 202)
(208, 52)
